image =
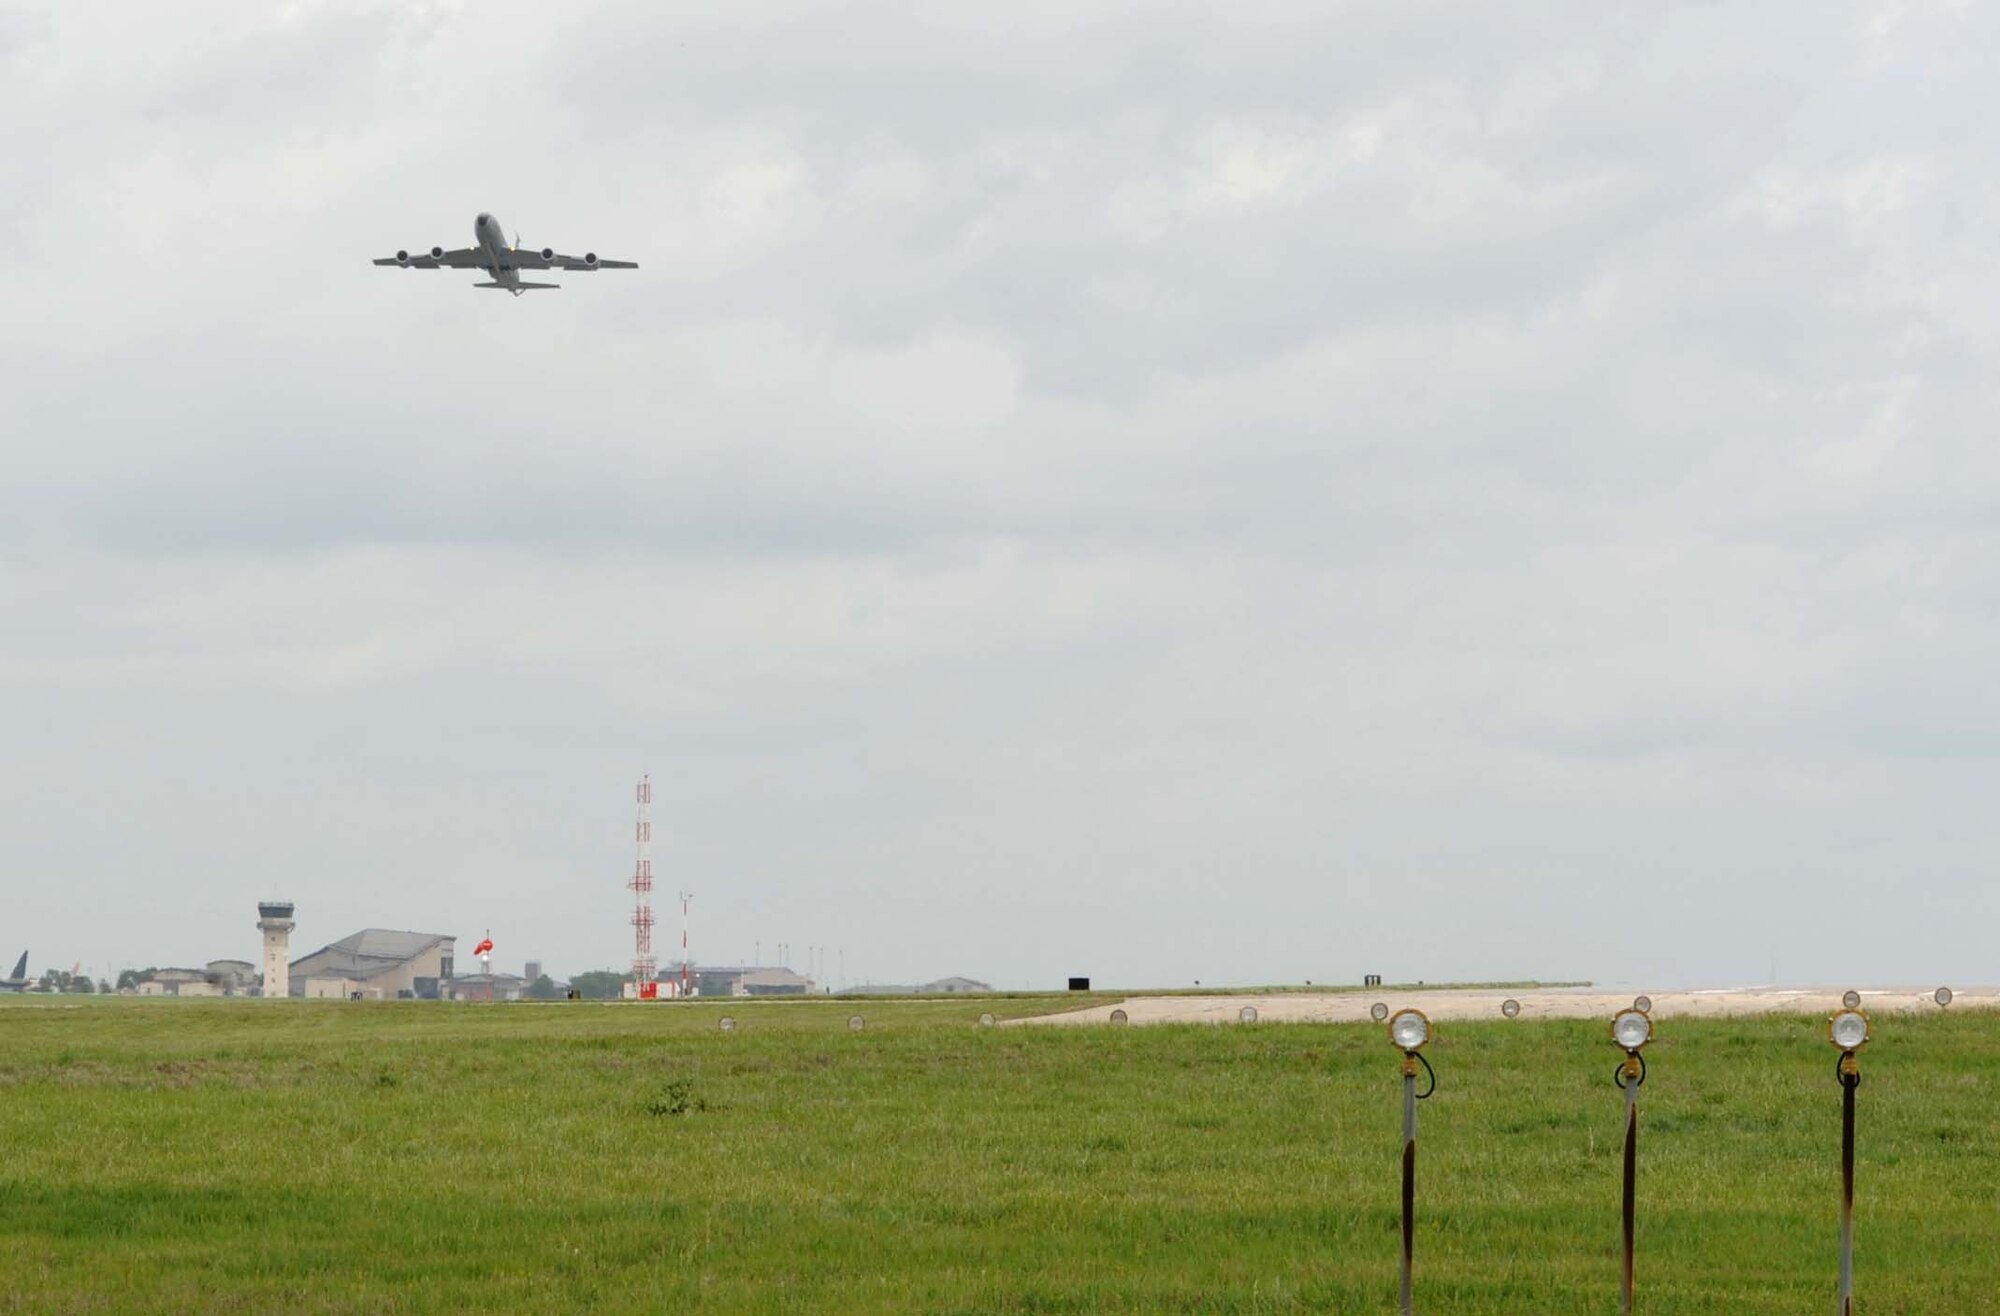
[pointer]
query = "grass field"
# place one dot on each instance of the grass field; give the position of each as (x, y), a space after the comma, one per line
(417, 1157)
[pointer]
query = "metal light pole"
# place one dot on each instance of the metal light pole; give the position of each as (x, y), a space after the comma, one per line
(1849, 1031)
(1409, 1030)
(1631, 1029)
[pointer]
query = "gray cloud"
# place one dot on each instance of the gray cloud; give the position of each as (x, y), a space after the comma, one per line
(1148, 491)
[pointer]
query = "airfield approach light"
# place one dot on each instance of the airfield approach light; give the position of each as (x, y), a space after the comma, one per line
(1851, 999)
(1510, 1007)
(1942, 996)
(1248, 1014)
(1848, 1030)
(1409, 1030)
(1644, 1004)
(987, 1021)
(727, 1023)
(1120, 1017)
(854, 1023)
(1378, 1012)
(1632, 1029)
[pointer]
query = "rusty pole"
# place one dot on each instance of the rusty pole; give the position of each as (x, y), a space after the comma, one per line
(1631, 1086)
(1409, 1173)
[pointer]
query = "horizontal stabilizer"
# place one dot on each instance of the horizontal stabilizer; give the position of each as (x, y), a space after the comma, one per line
(513, 286)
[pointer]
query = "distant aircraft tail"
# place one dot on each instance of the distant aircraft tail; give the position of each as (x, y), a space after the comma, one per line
(517, 287)
(20, 966)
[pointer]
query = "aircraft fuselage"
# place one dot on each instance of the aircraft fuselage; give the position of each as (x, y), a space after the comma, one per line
(489, 237)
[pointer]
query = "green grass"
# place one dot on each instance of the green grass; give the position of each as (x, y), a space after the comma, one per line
(414, 1157)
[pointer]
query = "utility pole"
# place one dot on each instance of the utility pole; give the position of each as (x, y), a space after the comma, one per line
(685, 897)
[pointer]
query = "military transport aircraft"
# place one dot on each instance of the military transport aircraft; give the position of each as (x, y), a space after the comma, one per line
(491, 252)
(18, 981)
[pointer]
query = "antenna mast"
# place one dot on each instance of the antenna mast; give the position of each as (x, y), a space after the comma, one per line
(685, 897)
(643, 966)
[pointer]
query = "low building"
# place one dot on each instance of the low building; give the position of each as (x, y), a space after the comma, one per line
(745, 980)
(219, 978)
(179, 982)
(487, 987)
(952, 986)
(772, 982)
(377, 964)
(939, 987)
(234, 977)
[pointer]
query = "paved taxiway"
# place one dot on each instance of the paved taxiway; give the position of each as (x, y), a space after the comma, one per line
(1483, 1003)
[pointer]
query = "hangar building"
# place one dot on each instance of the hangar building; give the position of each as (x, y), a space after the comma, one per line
(377, 963)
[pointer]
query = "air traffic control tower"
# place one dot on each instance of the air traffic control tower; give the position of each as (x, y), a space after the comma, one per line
(274, 920)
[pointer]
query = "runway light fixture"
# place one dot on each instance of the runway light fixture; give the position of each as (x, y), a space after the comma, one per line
(1632, 1029)
(1849, 1030)
(1248, 1014)
(854, 1023)
(1378, 1012)
(1410, 1029)
(1851, 999)
(727, 1023)
(1644, 1004)
(1510, 1007)
(987, 1021)
(1120, 1017)
(1942, 996)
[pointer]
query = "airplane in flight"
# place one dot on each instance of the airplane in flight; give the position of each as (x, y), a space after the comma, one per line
(17, 981)
(492, 253)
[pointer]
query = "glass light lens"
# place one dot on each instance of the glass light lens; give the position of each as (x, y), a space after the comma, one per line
(986, 1021)
(1632, 1030)
(854, 1023)
(1248, 1014)
(1510, 1007)
(1643, 1003)
(1850, 1029)
(1852, 1000)
(727, 1024)
(1118, 1016)
(1409, 1030)
(1378, 1012)
(1942, 996)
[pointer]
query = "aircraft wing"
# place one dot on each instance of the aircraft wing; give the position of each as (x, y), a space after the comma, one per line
(544, 258)
(592, 263)
(465, 258)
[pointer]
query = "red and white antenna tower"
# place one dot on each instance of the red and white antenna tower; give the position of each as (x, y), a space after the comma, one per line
(643, 965)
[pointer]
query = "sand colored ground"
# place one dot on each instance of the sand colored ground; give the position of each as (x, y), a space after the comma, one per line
(1551, 1003)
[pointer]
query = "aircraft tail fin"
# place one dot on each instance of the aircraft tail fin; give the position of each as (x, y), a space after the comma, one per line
(517, 287)
(20, 966)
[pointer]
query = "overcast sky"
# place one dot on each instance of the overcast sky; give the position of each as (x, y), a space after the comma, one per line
(1238, 493)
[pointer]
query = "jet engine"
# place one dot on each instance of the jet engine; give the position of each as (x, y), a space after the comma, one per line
(548, 253)
(590, 259)
(437, 253)
(402, 258)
